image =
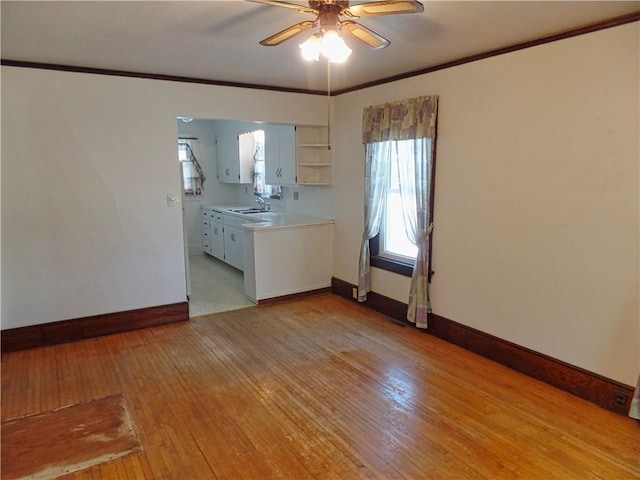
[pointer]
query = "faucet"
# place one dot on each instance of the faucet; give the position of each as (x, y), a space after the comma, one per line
(265, 207)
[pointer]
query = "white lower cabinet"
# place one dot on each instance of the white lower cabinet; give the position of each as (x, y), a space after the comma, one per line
(217, 237)
(222, 237)
(233, 246)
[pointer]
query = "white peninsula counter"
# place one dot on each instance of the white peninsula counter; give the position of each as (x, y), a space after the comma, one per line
(286, 254)
(282, 253)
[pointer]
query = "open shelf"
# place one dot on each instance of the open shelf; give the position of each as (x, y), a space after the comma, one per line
(314, 158)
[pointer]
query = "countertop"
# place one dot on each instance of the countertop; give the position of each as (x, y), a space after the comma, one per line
(270, 220)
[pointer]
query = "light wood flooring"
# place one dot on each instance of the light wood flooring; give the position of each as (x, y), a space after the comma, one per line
(320, 388)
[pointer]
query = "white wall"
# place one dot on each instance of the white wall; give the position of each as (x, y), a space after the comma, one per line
(537, 202)
(87, 163)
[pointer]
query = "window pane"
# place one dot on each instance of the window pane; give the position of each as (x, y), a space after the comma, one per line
(182, 152)
(395, 241)
(391, 249)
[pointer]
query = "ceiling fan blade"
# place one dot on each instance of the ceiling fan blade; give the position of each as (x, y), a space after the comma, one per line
(293, 6)
(384, 7)
(363, 34)
(287, 33)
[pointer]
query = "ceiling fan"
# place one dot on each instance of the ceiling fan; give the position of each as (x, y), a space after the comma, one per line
(327, 14)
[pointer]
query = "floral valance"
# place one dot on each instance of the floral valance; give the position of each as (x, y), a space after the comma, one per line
(402, 120)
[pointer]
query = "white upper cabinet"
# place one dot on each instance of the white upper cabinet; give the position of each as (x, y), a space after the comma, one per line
(280, 154)
(228, 158)
(235, 157)
(246, 153)
(293, 155)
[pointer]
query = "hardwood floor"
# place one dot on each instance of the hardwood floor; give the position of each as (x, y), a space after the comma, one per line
(320, 388)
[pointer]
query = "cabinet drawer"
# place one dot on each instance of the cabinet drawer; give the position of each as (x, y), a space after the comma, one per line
(206, 235)
(206, 223)
(210, 215)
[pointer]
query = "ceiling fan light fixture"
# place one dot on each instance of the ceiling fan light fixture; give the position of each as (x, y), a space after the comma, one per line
(328, 13)
(334, 48)
(310, 49)
(330, 44)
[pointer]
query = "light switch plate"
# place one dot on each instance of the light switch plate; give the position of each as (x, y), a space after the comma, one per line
(172, 201)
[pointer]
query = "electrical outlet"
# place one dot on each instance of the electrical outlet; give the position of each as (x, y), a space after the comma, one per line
(354, 292)
(621, 399)
(295, 195)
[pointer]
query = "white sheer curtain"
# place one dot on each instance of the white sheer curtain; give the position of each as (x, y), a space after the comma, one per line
(415, 188)
(377, 160)
(634, 410)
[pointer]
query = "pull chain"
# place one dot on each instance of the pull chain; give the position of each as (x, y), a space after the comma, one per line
(328, 104)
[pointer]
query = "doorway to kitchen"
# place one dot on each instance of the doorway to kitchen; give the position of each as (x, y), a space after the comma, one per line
(212, 285)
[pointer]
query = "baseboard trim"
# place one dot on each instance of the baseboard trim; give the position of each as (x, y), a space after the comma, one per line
(385, 305)
(64, 331)
(293, 296)
(602, 391)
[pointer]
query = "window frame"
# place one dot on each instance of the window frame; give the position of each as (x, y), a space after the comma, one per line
(394, 265)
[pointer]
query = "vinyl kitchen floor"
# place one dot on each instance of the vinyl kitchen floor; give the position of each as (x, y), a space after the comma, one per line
(215, 286)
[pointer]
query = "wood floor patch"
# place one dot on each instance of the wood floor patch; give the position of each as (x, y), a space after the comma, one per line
(68, 439)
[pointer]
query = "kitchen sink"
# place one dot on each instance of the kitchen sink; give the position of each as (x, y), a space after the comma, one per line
(246, 210)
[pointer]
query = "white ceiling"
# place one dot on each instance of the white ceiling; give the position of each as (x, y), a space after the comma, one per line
(218, 40)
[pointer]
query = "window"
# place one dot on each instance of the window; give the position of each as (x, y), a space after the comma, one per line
(260, 188)
(399, 137)
(392, 249)
(192, 175)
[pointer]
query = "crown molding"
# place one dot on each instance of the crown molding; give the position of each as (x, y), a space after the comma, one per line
(602, 25)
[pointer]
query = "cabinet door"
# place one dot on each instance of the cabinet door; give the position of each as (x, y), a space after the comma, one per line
(233, 247)
(271, 155)
(288, 155)
(247, 150)
(280, 154)
(216, 240)
(227, 150)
